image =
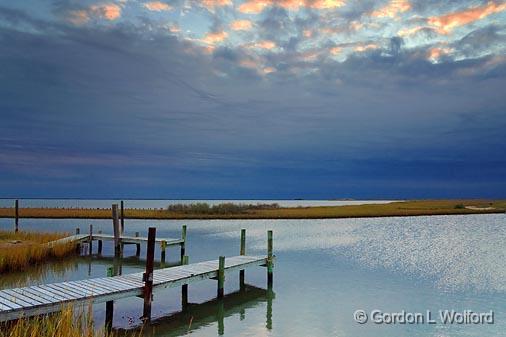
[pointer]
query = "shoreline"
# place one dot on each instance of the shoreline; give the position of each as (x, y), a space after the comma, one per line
(393, 209)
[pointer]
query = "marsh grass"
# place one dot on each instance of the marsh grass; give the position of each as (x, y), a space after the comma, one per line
(19, 251)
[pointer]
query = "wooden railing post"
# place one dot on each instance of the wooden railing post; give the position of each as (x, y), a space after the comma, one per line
(183, 244)
(243, 252)
(270, 261)
(116, 230)
(221, 277)
(148, 275)
(16, 221)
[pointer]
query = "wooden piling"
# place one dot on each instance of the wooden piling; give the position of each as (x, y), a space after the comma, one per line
(16, 221)
(242, 252)
(184, 288)
(116, 230)
(122, 218)
(148, 275)
(270, 261)
(137, 246)
(163, 247)
(221, 276)
(183, 244)
(90, 240)
(109, 307)
(78, 230)
(99, 244)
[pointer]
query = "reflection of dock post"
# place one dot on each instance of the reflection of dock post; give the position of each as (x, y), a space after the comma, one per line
(221, 318)
(221, 277)
(16, 221)
(270, 262)
(122, 218)
(137, 246)
(163, 247)
(184, 288)
(148, 275)
(183, 244)
(116, 230)
(90, 241)
(270, 296)
(100, 244)
(243, 252)
(109, 307)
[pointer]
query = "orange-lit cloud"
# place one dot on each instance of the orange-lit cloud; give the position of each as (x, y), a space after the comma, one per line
(106, 11)
(78, 17)
(257, 6)
(392, 9)
(335, 50)
(307, 33)
(212, 4)
(446, 23)
(157, 6)
(241, 25)
(268, 70)
(434, 54)
(403, 32)
(215, 37)
(264, 44)
(365, 47)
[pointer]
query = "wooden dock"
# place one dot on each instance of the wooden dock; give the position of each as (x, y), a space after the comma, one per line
(36, 300)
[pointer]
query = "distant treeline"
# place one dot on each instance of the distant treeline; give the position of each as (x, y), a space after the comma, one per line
(225, 208)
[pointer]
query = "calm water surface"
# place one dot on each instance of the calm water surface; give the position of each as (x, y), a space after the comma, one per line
(325, 270)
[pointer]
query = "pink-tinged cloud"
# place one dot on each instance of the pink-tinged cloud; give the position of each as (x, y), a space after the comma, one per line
(215, 37)
(78, 17)
(435, 53)
(157, 6)
(446, 23)
(405, 32)
(264, 44)
(212, 4)
(365, 47)
(392, 9)
(335, 50)
(108, 11)
(257, 6)
(268, 70)
(241, 25)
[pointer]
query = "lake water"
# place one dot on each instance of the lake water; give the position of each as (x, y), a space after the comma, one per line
(325, 271)
(163, 203)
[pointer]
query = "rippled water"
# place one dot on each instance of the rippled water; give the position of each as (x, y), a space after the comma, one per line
(325, 270)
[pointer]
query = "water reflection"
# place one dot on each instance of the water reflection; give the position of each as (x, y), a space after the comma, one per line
(195, 316)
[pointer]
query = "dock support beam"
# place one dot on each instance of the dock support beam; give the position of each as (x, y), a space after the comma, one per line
(137, 246)
(184, 288)
(221, 277)
(90, 241)
(148, 275)
(183, 244)
(270, 262)
(99, 244)
(122, 218)
(116, 230)
(16, 221)
(243, 252)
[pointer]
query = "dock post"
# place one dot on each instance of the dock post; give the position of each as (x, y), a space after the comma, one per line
(184, 288)
(243, 252)
(137, 246)
(90, 241)
(78, 230)
(109, 307)
(16, 221)
(148, 275)
(78, 246)
(221, 277)
(100, 244)
(116, 230)
(270, 262)
(122, 218)
(183, 244)
(163, 246)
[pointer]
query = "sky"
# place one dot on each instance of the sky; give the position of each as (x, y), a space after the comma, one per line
(313, 99)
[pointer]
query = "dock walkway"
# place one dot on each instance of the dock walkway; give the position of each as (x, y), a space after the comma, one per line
(41, 299)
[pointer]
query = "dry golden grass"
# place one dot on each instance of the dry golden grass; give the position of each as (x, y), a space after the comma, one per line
(66, 323)
(405, 208)
(19, 251)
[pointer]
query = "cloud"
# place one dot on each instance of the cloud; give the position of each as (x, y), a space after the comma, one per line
(157, 6)
(241, 25)
(392, 9)
(215, 37)
(434, 54)
(446, 23)
(257, 6)
(213, 4)
(264, 44)
(106, 11)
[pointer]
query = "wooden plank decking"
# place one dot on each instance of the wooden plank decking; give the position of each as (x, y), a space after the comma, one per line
(41, 299)
(108, 237)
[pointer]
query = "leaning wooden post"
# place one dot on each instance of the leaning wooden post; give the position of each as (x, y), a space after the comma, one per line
(90, 240)
(243, 252)
(184, 288)
(109, 307)
(148, 275)
(16, 221)
(116, 230)
(99, 244)
(163, 246)
(183, 244)
(270, 262)
(122, 218)
(221, 276)
(78, 246)
(137, 246)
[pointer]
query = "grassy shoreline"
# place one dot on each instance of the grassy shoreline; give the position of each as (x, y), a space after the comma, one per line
(404, 208)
